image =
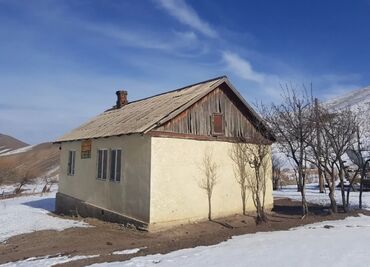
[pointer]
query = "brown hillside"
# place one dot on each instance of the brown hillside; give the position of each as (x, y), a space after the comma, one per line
(11, 143)
(40, 160)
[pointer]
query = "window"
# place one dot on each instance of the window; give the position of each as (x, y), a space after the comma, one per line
(102, 164)
(217, 124)
(115, 165)
(71, 162)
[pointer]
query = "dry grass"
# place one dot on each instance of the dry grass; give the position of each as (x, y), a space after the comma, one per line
(35, 162)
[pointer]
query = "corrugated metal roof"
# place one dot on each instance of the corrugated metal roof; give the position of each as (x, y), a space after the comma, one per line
(142, 115)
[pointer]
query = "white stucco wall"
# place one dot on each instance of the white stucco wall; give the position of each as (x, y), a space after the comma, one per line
(175, 174)
(130, 196)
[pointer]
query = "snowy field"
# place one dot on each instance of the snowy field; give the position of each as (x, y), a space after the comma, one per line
(46, 261)
(313, 196)
(331, 243)
(27, 214)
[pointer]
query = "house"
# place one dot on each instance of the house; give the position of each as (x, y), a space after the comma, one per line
(139, 162)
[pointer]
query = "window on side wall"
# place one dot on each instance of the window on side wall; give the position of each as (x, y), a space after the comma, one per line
(102, 164)
(217, 122)
(71, 162)
(115, 165)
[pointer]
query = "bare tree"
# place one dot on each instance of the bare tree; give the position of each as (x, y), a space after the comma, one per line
(239, 155)
(337, 134)
(254, 154)
(356, 155)
(277, 165)
(25, 179)
(292, 126)
(49, 182)
(258, 159)
(209, 179)
(363, 146)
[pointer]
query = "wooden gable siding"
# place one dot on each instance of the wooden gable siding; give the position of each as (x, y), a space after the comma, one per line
(196, 120)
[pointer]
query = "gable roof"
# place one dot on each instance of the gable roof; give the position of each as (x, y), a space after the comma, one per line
(146, 114)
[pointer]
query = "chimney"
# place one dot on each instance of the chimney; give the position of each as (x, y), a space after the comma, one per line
(121, 99)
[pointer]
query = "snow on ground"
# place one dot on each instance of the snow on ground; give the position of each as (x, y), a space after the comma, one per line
(17, 151)
(34, 186)
(128, 251)
(313, 196)
(46, 261)
(4, 150)
(331, 243)
(30, 213)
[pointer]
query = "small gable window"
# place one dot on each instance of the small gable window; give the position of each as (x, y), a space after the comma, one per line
(217, 124)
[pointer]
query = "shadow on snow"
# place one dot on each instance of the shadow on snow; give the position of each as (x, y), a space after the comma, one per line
(45, 203)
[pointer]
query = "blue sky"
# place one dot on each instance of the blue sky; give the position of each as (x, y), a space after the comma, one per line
(62, 61)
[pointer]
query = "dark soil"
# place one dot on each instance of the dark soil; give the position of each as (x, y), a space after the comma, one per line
(105, 238)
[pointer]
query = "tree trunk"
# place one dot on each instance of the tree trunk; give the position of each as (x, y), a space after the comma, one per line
(333, 203)
(342, 190)
(243, 200)
(261, 216)
(361, 189)
(302, 190)
(321, 182)
(209, 208)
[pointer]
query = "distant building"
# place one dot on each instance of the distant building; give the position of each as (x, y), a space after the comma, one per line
(139, 161)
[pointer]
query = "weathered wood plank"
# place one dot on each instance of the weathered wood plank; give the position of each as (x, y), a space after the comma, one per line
(197, 119)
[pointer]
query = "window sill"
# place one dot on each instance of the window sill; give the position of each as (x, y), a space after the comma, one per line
(116, 182)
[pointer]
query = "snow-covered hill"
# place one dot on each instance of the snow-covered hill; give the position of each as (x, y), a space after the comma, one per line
(354, 100)
(358, 101)
(9, 143)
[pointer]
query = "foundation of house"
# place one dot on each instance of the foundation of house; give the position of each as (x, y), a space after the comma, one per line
(67, 205)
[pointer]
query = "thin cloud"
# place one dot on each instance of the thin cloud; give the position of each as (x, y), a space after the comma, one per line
(188, 16)
(268, 83)
(146, 40)
(242, 67)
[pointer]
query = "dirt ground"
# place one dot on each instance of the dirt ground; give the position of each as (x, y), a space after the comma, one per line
(105, 238)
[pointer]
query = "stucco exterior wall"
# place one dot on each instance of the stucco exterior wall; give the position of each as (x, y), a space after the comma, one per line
(130, 196)
(175, 174)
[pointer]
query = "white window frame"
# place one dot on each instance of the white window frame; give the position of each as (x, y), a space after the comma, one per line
(71, 163)
(100, 176)
(114, 177)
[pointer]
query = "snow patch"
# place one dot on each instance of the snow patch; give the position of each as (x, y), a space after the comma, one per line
(19, 150)
(46, 261)
(30, 213)
(4, 150)
(313, 196)
(128, 251)
(310, 245)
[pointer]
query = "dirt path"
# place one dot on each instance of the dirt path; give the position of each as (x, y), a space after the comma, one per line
(105, 238)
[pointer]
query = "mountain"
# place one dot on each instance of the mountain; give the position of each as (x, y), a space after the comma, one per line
(9, 143)
(358, 101)
(19, 160)
(354, 100)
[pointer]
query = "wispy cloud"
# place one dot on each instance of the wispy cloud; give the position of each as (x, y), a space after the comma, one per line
(268, 84)
(242, 67)
(326, 86)
(188, 16)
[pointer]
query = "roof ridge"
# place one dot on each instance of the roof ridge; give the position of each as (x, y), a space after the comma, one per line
(178, 89)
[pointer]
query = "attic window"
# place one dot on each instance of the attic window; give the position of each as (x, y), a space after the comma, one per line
(217, 124)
